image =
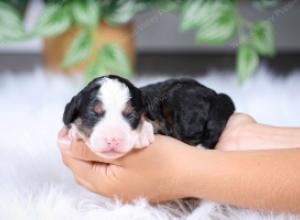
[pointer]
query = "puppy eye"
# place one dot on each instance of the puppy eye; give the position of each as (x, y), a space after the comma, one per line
(98, 109)
(127, 114)
(128, 111)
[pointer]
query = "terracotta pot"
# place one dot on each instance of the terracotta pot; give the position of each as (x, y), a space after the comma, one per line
(55, 47)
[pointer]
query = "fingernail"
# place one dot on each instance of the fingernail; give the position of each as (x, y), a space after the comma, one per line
(64, 144)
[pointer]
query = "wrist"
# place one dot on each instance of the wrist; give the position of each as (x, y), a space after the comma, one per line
(193, 172)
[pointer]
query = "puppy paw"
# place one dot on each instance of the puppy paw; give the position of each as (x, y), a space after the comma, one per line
(146, 135)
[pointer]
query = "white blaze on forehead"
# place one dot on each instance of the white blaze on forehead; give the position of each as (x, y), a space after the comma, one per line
(114, 95)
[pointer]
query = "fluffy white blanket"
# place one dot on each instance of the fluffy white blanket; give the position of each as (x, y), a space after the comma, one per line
(34, 184)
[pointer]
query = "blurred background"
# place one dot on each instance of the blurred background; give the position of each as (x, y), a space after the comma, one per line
(159, 45)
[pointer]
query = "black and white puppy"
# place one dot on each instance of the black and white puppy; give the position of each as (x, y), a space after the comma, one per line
(112, 116)
(108, 115)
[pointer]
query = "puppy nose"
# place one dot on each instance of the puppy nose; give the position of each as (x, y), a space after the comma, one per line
(113, 142)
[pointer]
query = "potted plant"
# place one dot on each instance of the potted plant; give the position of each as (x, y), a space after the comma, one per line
(96, 35)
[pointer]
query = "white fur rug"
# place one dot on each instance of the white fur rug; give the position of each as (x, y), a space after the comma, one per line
(34, 184)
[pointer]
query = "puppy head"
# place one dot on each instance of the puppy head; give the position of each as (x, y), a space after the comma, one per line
(106, 114)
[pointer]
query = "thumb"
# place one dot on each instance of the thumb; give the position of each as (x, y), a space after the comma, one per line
(63, 139)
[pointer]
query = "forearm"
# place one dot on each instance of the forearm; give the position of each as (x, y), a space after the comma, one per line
(267, 180)
(259, 136)
(242, 132)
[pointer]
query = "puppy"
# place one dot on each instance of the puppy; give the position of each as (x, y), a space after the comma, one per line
(108, 115)
(113, 117)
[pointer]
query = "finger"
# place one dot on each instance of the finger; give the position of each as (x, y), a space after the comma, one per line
(77, 166)
(63, 132)
(79, 150)
(84, 183)
(86, 170)
(63, 139)
(99, 189)
(89, 173)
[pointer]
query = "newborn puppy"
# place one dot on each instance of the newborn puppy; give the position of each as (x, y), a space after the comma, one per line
(112, 116)
(108, 115)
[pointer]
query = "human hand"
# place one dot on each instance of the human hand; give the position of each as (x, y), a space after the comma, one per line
(169, 169)
(233, 138)
(156, 172)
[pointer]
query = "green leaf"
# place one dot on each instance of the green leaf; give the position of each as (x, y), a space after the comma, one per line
(247, 61)
(79, 49)
(203, 12)
(93, 70)
(86, 12)
(220, 29)
(53, 20)
(113, 60)
(192, 13)
(122, 12)
(11, 27)
(262, 38)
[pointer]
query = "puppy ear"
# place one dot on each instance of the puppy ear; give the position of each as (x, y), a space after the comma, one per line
(71, 110)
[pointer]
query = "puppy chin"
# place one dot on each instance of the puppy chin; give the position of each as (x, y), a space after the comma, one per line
(109, 155)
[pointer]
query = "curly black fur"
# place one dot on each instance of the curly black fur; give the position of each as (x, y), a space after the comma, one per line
(187, 110)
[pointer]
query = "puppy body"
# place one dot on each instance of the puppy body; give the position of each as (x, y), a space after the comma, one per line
(113, 116)
(187, 110)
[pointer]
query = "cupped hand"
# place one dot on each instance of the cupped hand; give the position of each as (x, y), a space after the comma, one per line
(155, 172)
